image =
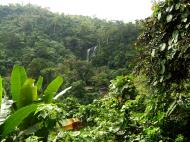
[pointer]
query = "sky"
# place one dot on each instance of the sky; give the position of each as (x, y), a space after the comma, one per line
(125, 10)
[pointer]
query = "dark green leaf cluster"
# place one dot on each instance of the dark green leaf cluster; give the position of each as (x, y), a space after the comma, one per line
(166, 43)
(165, 54)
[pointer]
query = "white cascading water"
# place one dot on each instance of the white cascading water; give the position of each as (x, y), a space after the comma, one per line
(88, 55)
(93, 49)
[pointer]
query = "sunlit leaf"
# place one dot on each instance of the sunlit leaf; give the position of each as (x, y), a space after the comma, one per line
(171, 108)
(62, 93)
(169, 18)
(169, 9)
(187, 25)
(28, 93)
(184, 20)
(39, 83)
(177, 6)
(18, 78)
(163, 47)
(52, 89)
(153, 53)
(161, 78)
(159, 15)
(175, 36)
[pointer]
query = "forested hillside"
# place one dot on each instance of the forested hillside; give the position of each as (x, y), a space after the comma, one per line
(85, 51)
(81, 79)
(37, 33)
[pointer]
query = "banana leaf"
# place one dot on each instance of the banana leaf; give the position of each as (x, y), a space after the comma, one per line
(17, 118)
(52, 88)
(18, 77)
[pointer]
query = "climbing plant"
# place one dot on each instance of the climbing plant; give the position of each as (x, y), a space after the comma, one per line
(166, 41)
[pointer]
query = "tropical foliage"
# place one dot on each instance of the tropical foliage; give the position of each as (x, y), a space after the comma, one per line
(24, 93)
(111, 91)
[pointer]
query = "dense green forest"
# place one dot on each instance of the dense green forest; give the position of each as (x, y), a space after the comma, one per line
(85, 51)
(80, 79)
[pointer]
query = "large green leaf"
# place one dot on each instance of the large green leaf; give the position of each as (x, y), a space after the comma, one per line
(18, 78)
(1, 92)
(39, 83)
(28, 93)
(52, 89)
(17, 118)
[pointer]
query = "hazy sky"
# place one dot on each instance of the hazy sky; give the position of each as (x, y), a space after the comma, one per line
(127, 10)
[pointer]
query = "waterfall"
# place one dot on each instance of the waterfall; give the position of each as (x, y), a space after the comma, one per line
(88, 55)
(94, 51)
